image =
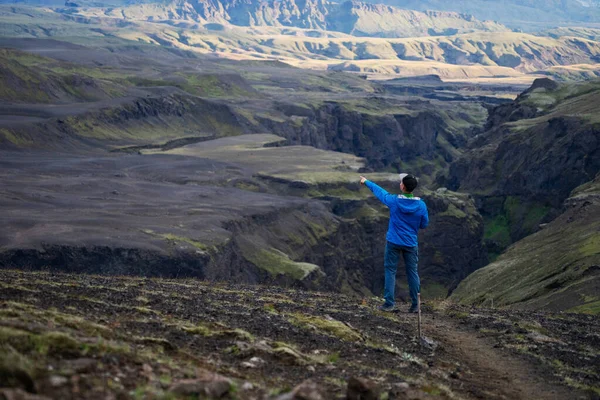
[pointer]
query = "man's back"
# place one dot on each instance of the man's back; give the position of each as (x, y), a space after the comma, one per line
(408, 214)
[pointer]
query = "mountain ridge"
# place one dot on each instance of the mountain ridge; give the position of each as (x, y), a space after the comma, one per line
(350, 17)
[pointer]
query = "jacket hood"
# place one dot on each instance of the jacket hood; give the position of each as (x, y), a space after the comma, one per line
(410, 205)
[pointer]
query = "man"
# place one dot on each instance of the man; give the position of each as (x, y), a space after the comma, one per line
(408, 214)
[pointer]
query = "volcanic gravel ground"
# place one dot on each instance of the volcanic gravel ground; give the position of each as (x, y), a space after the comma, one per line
(82, 336)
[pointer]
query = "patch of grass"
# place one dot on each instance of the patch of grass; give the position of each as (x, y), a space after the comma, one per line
(454, 211)
(19, 140)
(15, 368)
(145, 310)
(333, 357)
(247, 186)
(591, 245)
(588, 388)
(218, 330)
(175, 238)
(341, 383)
(327, 326)
(54, 344)
(592, 308)
(497, 229)
(276, 262)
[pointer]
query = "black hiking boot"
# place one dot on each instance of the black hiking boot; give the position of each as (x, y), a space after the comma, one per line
(386, 308)
(413, 310)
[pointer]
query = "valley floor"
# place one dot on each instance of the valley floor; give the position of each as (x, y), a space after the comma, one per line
(87, 336)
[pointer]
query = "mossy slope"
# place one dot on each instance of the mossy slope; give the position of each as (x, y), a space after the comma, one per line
(556, 268)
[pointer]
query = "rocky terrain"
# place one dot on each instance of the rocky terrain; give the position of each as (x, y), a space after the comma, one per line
(88, 337)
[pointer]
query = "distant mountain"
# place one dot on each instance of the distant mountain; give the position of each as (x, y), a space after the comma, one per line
(351, 17)
(528, 15)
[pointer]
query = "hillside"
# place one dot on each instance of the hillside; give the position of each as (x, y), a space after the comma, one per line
(533, 171)
(33, 79)
(555, 269)
(519, 168)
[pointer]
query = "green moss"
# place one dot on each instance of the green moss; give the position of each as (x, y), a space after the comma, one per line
(247, 186)
(341, 192)
(497, 229)
(79, 324)
(591, 245)
(328, 326)
(175, 238)
(454, 211)
(14, 139)
(44, 344)
(194, 243)
(216, 331)
(212, 85)
(56, 344)
(593, 389)
(145, 310)
(13, 366)
(276, 262)
(333, 357)
(366, 211)
(432, 390)
(592, 308)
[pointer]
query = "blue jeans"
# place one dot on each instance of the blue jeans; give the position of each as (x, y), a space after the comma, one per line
(411, 257)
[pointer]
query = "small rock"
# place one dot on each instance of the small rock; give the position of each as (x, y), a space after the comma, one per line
(311, 368)
(257, 361)
(57, 380)
(362, 389)
(208, 384)
(247, 386)
(288, 356)
(399, 391)
(307, 390)
(83, 365)
(299, 184)
(428, 343)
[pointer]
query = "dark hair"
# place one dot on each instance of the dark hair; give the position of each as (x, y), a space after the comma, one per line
(410, 183)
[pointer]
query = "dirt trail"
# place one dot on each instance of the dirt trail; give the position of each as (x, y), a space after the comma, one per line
(493, 373)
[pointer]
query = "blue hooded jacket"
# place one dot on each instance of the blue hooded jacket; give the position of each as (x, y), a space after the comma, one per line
(407, 216)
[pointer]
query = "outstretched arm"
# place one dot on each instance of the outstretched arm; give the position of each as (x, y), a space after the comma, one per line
(383, 196)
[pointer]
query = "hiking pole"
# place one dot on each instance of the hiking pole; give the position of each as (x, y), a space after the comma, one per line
(419, 310)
